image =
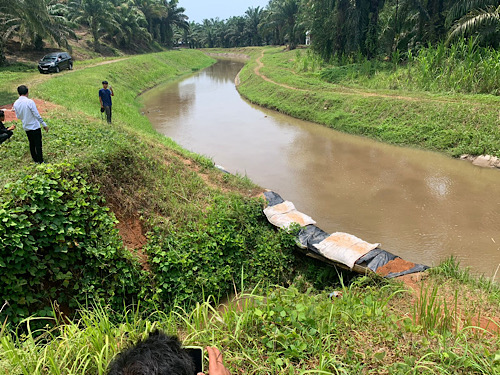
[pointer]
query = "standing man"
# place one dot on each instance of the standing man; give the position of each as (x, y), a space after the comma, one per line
(27, 112)
(105, 95)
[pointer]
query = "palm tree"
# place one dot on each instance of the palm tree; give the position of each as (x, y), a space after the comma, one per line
(483, 23)
(193, 35)
(96, 14)
(280, 21)
(32, 20)
(174, 17)
(286, 13)
(154, 11)
(252, 21)
(133, 25)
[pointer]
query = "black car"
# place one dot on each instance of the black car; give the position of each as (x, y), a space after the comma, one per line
(55, 62)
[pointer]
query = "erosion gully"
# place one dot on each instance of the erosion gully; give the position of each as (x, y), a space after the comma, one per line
(420, 205)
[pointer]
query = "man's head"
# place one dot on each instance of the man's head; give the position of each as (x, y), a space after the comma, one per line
(22, 90)
(105, 84)
(159, 354)
(2, 115)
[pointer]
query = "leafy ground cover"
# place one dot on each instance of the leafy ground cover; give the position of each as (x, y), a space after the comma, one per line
(452, 123)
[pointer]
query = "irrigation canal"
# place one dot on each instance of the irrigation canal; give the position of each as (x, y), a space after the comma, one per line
(419, 205)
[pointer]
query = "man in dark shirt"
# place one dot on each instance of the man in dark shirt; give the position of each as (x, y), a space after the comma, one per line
(5, 133)
(105, 95)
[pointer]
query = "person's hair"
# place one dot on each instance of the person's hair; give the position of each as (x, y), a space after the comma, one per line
(2, 113)
(22, 90)
(159, 354)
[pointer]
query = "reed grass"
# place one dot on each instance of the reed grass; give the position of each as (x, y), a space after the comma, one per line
(268, 331)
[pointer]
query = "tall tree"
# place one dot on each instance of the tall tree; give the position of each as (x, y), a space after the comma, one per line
(173, 17)
(283, 15)
(133, 31)
(252, 20)
(96, 14)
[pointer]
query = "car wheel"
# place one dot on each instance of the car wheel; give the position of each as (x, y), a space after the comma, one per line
(70, 67)
(57, 69)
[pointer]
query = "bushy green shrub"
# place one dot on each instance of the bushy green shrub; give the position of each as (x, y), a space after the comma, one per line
(59, 242)
(233, 241)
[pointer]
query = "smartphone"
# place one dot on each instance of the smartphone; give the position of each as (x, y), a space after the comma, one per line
(196, 354)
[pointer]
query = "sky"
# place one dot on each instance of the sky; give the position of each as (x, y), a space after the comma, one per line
(198, 10)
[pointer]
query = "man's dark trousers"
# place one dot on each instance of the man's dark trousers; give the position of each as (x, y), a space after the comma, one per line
(3, 137)
(35, 139)
(107, 109)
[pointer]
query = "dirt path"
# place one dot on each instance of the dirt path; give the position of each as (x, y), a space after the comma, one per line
(104, 63)
(260, 65)
(42, 105)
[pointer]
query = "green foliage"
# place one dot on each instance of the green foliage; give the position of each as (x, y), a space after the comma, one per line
(463, 67)
(281, 331)
(433, 313)
(451, 269)
(232, 245)
(58, 242)
(353, 72)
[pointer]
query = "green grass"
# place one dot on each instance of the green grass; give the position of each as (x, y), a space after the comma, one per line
(455, 124)
(11, 76)
(281, 331)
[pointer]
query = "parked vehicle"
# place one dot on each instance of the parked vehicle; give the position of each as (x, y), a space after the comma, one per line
(55, 62)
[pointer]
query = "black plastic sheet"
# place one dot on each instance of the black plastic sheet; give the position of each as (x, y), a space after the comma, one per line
(376, 259)
(273, 198)
(311, 235)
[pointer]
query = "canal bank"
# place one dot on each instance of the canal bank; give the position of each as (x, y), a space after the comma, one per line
(421, 205)
(455, 124)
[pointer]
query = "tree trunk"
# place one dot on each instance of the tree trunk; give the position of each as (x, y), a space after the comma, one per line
(3, 59)
(95, 35)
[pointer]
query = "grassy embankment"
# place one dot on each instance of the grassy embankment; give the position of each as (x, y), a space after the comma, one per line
(57, 238)
(298, 85)
(205, 239)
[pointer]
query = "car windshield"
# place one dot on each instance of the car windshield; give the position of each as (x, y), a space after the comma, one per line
(49, 58)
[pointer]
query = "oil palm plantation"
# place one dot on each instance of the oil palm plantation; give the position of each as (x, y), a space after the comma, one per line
(31, 20)
(133, 31)
(284, 14)
(252, 20)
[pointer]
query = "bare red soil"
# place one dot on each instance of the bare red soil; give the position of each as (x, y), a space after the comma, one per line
(42, 106)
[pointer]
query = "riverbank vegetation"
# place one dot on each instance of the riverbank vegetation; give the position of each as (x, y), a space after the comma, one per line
(384, 103)
(123, 231)
(370, 327)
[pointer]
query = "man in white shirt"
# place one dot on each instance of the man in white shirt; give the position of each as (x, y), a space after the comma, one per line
(27, 112)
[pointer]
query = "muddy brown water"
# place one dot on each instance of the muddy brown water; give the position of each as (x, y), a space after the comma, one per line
(420, 205)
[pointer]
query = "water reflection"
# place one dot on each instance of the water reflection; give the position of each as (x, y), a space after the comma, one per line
(421, 205)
